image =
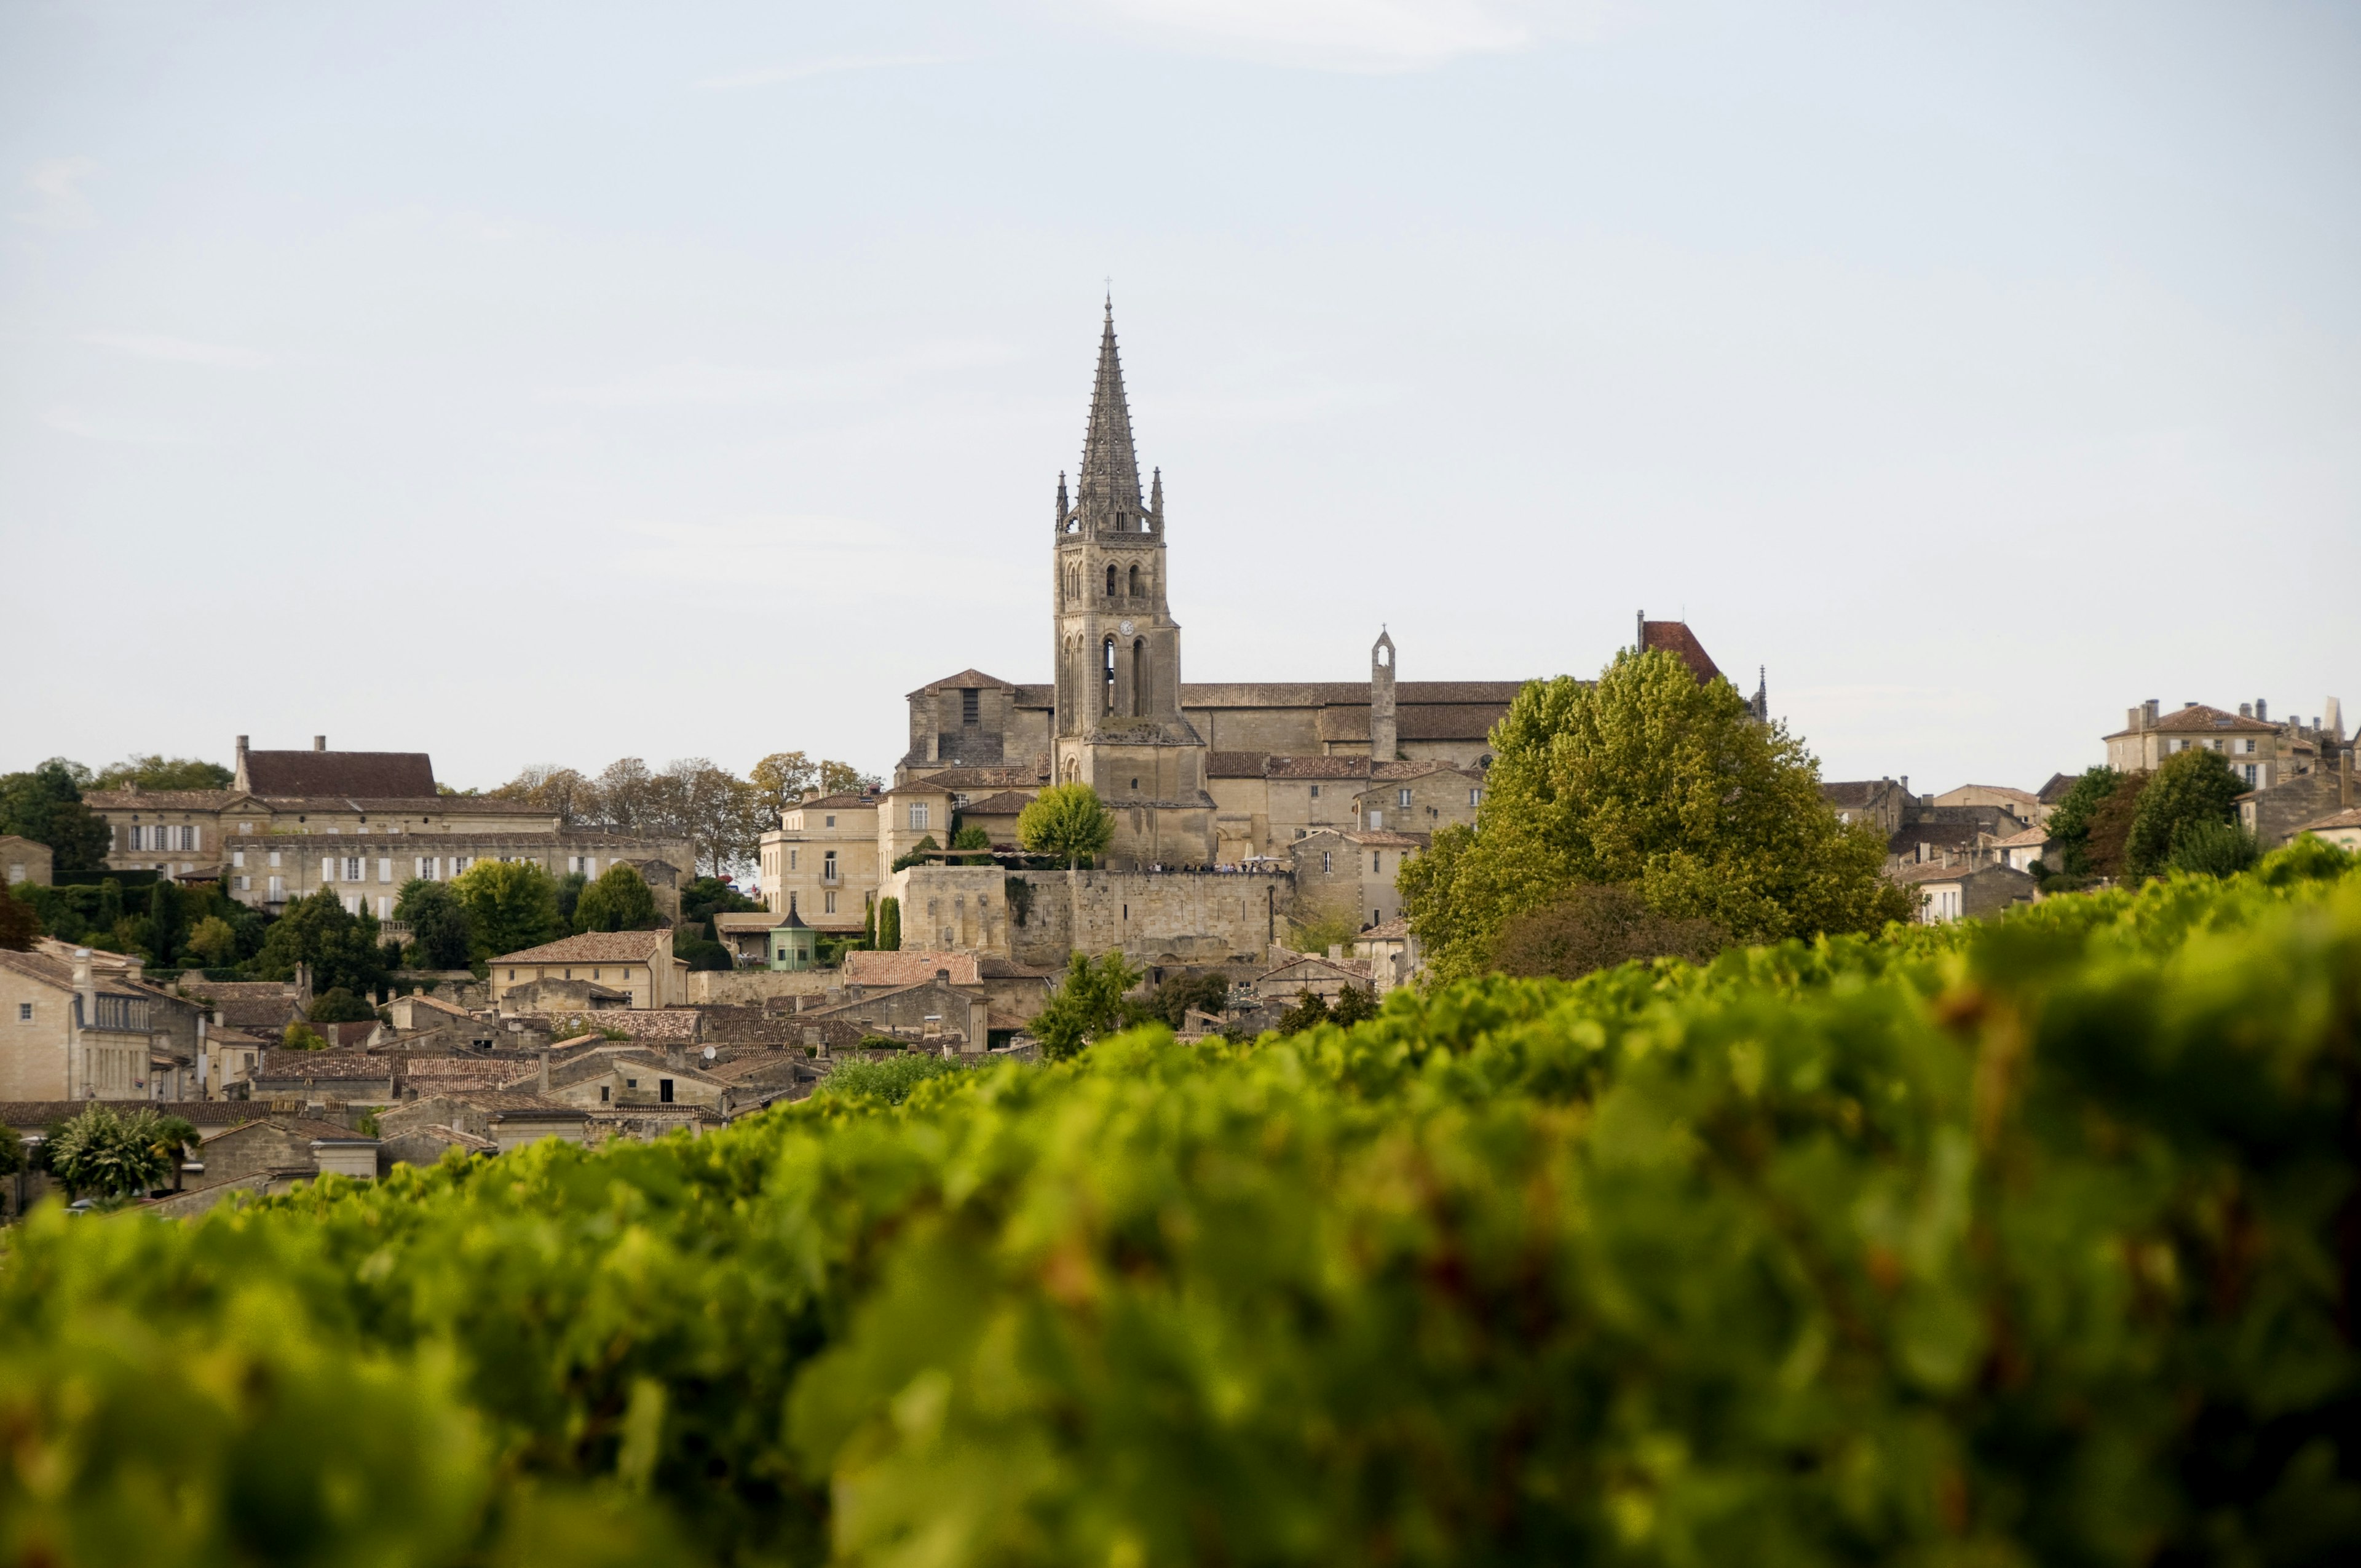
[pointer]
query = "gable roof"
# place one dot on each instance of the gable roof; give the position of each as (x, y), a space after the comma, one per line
(908, 966)
(841, 801)
(1007, 803)
(2196, 717)
(2350, 817)
(2055, 790)
(374, 775)
(1855, 791)
(965, 678)
(1674, 637)
(1395, 931)
(594, 948)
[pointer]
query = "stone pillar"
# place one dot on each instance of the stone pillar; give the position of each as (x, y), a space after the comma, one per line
(1382, 740)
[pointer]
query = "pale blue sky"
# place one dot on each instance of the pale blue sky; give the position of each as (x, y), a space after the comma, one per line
(553, 383)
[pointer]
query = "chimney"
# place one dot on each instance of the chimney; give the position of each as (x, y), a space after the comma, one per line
(2245, 710)
(2148, 713)
(2262, 710)
(319, 742)
(544, 1075)
(86, 986)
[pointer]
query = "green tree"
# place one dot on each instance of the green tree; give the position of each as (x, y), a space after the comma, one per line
(565, 794)
(1311, 1008)
(1089, 1003)
(109, 904)
(707, 896)
(509, 904)
(155, 772)
(889, 1080)
(339, 1006)
(569, 895)
(2193, 788)
(843, 778)
(12, 1151)
(972, 838)
(918, 854)
(1653, 780)
(213, 942)
(303, 1037)
(2103, 847)
(44, 803)
(1170, 1003)
(1354, 1002)
(1066, 822)
(109, 1155)
(165, 926)
(339, 947)
(439, 938)
(889, 925)
(620, 900)
(2213, 849)
(1595, 926)
(2070, 824)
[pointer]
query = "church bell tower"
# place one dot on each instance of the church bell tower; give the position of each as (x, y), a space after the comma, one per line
(1119, 725)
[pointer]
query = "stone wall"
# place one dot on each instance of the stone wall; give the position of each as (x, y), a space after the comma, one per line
(753, 988)
(1207, 917)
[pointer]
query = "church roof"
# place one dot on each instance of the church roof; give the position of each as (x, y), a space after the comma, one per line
(965, 678)
(1674, 637)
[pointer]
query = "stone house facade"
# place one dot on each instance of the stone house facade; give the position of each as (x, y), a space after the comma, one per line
(1350, 876)
(640, 964)
(2277, 815)
(77, 1025)
(824, 854)
(24, 860)
(2254, 748)
(1963, 892)
(1885, 803)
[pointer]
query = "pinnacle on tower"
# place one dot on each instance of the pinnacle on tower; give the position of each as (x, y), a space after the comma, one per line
(1109, 481)
(1063, 507)
(1155, 496)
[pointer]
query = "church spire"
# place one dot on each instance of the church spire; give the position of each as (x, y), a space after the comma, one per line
(1109, 481)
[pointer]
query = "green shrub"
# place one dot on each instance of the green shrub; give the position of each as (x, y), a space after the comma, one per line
(889, 1080)
(2018, 1241)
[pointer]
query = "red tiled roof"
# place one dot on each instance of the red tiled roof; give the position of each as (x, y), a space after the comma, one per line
(1674, 637)
(908, 968)
(1007, 803)
(371, 775)
(1345, 767)
(595, 948)
(2196, 717)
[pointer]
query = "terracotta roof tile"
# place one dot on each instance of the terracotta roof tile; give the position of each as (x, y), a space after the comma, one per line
(1007, 803)
(375, 775)
(1235, 764)
(909, 966)
(1318, 768)
(2349, 819)
(1674, 637)
(843, 802)
(594, 948)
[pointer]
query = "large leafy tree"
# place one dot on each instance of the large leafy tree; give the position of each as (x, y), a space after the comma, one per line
(510, 905)
(155, 771)
(2104, 846)
(439, 938)
(44, 803)
(340, 945)
(781, 779)
(2193, 789)
(1649, 780)
(1067, 822)
(111, 1155)
(20, 924)
(1089, 1003)
(167, 925)
(2070, 825)
(620, 899)
(563, 793)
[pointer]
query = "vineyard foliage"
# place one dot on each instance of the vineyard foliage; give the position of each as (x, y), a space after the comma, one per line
(2032, 1242)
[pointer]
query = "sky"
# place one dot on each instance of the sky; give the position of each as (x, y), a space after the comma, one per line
(556, 382)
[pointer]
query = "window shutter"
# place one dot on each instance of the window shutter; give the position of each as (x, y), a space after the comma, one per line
(327, 869)
(385, 868)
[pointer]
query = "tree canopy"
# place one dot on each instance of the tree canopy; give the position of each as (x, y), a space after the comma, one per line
(439, 938)
(1089, 1003)
(510, 905)
(2193, 789)
(620, 900)
(1066, 822)
(1648, 779)
(154, 771)
(44, 803)
(340, 945)
(2070, 824)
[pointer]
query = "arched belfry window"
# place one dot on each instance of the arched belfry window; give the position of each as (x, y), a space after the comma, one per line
(1109, 581)
(1139, 703)
(1134, 582)
(1107, 675)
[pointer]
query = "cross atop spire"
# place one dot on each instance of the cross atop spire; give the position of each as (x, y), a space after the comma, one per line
(1108, 485)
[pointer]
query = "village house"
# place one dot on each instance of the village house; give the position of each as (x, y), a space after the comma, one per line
(2257, 751)
(77, 1024)
(638, 964)
(823, 855)
(1883, 802)
(1963, 892)
(2341, 828)
(1393, 954)
(2294, 806)
(23, 860)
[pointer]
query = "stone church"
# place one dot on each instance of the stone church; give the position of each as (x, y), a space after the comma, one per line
(1196, 773)
(1320, 788)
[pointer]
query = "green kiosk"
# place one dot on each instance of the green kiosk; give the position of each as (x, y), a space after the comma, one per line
(794, 945)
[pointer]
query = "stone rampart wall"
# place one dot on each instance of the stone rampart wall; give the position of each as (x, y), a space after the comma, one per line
(1196, 917)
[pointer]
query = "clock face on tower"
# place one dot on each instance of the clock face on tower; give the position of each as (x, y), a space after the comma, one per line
(1127, 629)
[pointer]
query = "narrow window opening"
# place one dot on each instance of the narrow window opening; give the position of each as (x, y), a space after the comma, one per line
(1107, 674)
(1109, 581)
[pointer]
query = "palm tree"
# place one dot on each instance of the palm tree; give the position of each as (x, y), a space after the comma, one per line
(113, 1156)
